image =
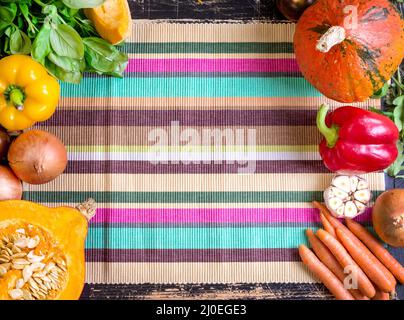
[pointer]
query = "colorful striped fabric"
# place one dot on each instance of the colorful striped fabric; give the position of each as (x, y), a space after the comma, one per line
(194, 217)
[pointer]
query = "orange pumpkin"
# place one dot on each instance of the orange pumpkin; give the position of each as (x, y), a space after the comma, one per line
(42, 250)
(349, 49)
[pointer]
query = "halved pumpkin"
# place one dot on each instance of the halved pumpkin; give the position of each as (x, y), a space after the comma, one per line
(112, 20)
(42, 250)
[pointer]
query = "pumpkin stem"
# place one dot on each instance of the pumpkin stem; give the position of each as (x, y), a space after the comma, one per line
(335, 35)
(88, 208)
(330, 134)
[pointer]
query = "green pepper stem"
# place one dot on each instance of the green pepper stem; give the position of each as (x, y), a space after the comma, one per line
(330, 134)
(17, 98)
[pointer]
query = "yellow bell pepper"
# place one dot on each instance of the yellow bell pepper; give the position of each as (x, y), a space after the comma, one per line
(28, 94)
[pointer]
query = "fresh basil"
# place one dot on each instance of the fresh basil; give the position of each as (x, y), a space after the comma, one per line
(62, 74)
(7, 16)
(81, 4)
(103, 57)
(20, 43)
(67, 64)
(66, 42)
(41, 46)
(58, 35)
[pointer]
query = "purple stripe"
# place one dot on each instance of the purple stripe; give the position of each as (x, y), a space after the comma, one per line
(184, 117)
(212, 65)
(145, 167)
(191, 255)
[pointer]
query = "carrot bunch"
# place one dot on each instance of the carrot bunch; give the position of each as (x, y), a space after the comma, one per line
(350, 253)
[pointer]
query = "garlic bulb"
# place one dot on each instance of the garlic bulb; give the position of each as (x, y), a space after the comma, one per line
(348, 196)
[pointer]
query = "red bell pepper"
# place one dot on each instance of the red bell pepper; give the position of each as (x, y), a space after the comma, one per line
(356, 141)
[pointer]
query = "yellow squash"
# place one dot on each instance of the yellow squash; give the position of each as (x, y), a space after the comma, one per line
(112, 20)
(42, 250)
(28, 94)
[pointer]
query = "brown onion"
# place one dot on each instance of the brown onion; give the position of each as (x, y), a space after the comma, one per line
(388, 217)
(293, 9)
(4, 143)
(37, 157)
(10, 185)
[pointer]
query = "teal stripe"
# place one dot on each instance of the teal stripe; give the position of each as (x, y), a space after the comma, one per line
(174, 197)
(209, 47)
(195, 238)
(190, 87)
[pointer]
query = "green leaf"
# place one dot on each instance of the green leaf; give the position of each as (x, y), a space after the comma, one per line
(61, 74)
(396, 167)
(104, 58)
(81, 4)
(7, 15)
(399, 112)
(66, 42)
(382, 92)
(67, 64)
(20, 43)
(41, 46)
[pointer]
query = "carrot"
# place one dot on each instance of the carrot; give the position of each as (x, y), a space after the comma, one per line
(331, 219)
(326, 257)
(373, 268)
(380, 295)
(345, 260)
(377, 249)
(327, 225)
(324, 274)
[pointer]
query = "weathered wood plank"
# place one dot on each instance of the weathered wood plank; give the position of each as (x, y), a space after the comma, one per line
(205, 9)
(270, 291)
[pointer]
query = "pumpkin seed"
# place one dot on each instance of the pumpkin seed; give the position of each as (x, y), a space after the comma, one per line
(15, 249)
(4, 259)
(18, 255)
(21, 243)
(27, 273)
(33, 284)
(19, 284)
(26, 295)
(8, 250)
(20, 261)
(16, 294)
(17, 266)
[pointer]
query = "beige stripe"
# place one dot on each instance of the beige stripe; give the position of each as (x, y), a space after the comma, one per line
(150, 31)
(136, 135)
(250, 272)
(195, 182)
(203, 103)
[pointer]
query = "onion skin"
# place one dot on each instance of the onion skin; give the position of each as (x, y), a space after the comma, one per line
(4, 143)
(37, 157)
(388, 217)
(293, 9)
(10, 185)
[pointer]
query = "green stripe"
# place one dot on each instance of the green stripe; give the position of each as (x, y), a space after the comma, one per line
(190, 87)
(208, 47)
(263, 148)
(176, 197)
(195, 238)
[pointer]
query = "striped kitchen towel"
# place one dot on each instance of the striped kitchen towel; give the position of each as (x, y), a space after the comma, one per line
(203, 161)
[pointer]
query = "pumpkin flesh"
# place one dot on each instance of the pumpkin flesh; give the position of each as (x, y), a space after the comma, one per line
(112, 20)
(356, 68)
(61, 234)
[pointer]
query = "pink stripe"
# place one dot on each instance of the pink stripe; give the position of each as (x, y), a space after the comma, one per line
(239, 215)
(212, 65)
